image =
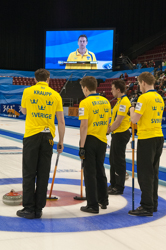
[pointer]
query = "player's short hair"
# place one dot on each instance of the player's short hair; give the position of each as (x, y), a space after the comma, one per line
(83, 36)
(90, 82)
(42, 75)
(120, 84)
(147, 77)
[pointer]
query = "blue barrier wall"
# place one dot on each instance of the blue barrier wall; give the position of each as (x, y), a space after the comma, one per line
(6, 80)
(10, 97)
(77, 74)
(11, 93)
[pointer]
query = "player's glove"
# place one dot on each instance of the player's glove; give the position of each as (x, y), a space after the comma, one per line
(82, 153)
(128, 113)
(133, 104)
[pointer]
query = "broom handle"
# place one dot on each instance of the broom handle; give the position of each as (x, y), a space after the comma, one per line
(133, 146)
(54, 175)
(81, 178)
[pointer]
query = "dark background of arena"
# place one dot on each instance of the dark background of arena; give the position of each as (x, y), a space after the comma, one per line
(23, 25)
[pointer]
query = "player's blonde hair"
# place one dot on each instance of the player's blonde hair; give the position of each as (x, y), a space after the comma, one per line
(90, 82)
(147, 78)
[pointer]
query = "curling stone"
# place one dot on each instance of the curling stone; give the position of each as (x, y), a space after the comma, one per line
(12, 198)
(127, 176)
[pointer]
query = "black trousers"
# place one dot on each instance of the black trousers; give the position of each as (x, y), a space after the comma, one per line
(148, 157)
(94, 172)
(37, 153)
(117, 159)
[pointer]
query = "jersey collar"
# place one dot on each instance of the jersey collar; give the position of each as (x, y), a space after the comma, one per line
(42, 83)
(93, 94)
(78, 54)
(151, 90)
(121, 97)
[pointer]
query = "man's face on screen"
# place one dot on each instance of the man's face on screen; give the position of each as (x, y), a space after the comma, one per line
(82, 42)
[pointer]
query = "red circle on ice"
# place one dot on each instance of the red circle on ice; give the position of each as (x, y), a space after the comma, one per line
(64, 199)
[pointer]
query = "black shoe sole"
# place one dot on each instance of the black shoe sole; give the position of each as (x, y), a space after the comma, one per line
(115, 193)
(30, 216)
(141, 215)
(89, 211)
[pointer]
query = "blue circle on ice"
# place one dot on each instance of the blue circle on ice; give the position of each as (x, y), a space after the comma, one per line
(108, 221)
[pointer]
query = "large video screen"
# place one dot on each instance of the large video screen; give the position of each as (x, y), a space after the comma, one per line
(79, 49)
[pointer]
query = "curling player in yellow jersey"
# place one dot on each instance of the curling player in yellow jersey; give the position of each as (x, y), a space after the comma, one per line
(94, 113)
(40, 103)
(148, 116)
(119, 126)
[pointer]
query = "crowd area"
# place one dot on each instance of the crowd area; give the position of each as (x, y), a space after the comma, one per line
(160, 84)
(133, 90)
(148, 64)
(140, 65)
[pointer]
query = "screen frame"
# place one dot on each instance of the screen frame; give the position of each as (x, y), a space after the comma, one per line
(83, 29)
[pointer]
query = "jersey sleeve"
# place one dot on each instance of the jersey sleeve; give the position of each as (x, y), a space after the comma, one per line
(60, 105)
(110, 113)
(141, 105)
(83, 111)
(123, 107)
(94, 57)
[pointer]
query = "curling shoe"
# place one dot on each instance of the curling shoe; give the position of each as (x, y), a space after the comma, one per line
(109, 188)
(89, 210)
(114, 191)
(103, 205)
(24, 213)
(38, 214)
(140, 211)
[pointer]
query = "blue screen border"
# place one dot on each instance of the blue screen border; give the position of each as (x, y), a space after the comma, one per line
(79, 29)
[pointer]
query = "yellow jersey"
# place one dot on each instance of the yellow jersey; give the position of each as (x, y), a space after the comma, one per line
(77, 57)
(41, 103)
(150, 105)
(97, 110)
(121, 108)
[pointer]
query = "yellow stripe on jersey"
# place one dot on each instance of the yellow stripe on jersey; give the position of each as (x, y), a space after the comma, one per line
(121, 108)
(150, 105)
(77, 57)
(97, 110)
(41, 103)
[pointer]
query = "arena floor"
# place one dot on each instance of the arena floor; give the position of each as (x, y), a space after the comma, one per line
(63, 225)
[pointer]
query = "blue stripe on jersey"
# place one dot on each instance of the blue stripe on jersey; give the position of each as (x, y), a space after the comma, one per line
(90, 56)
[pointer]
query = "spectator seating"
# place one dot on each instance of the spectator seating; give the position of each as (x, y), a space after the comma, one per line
(107, 86)
(158, 53)
(55, 84)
